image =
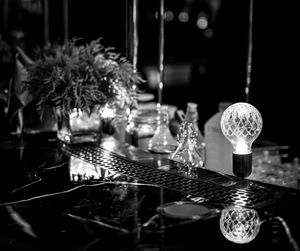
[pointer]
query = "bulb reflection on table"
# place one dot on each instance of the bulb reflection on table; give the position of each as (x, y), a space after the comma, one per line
(239, 224)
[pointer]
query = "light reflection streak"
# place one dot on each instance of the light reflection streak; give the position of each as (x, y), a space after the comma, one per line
(52, 167)
(73, 189)
(25, 186)
(38, 178)
(102, 224)
(21, 222)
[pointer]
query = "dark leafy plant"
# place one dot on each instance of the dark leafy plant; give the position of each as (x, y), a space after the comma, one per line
(6, 66)
(81, 76)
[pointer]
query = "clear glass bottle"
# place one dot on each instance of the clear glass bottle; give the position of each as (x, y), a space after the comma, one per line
(141, 127)
(162, 140)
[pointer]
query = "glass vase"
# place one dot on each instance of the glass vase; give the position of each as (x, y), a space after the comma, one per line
(78, 126)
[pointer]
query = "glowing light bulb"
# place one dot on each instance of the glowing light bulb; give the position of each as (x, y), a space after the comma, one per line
(239, 224)
(241, 123)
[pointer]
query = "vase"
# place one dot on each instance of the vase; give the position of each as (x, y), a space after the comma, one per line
(78, 126)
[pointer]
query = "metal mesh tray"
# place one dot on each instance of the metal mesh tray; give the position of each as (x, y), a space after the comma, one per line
(208, 191)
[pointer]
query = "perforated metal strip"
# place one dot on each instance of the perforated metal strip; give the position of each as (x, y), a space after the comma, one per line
(216, 194)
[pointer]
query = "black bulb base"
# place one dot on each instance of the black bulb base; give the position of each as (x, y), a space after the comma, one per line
(242, 164)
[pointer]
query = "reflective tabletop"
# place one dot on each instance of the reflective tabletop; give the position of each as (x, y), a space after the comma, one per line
(113, 196)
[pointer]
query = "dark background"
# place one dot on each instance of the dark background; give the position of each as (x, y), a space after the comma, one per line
(205, 66)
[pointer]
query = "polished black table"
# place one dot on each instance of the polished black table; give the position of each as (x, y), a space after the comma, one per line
(113, 196)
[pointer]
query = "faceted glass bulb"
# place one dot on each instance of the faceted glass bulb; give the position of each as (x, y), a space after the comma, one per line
(239, 224)
(241, 123)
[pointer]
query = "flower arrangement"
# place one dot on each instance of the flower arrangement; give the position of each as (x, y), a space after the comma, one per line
(72, 76)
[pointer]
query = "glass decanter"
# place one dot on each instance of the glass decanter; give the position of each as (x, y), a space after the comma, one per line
(187, 151)
(191, 116)
(162, 140)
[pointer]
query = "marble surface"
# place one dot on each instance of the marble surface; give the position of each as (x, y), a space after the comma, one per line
(51, 200)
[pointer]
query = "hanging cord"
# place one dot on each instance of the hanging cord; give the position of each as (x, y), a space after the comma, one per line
(249, 56)
(161, 44)
(288, 233)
